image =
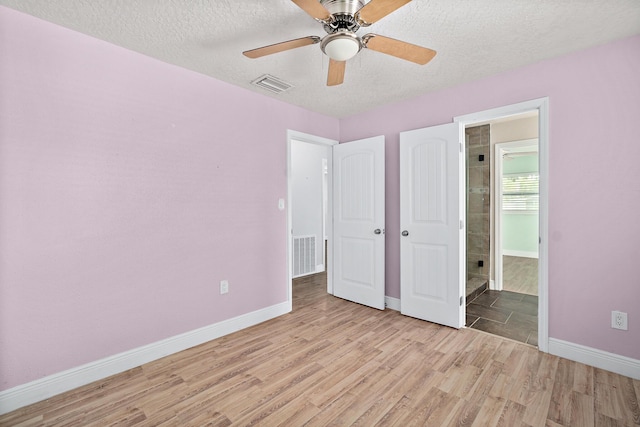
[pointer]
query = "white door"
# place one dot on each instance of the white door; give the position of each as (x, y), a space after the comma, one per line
(358, 221)
(430, 222)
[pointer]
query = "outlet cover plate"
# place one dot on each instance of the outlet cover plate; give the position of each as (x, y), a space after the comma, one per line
(619, 320)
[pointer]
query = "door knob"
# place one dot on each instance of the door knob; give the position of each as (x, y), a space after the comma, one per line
(405, 233)
(377, 231)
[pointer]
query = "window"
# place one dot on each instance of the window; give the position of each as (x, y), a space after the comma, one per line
(520, 192)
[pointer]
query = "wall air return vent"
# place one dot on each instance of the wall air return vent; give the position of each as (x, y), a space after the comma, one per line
(272, 84)
(304, 255)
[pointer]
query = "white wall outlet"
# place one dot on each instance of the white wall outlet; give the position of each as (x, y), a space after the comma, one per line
(224, 287)
(619, 320)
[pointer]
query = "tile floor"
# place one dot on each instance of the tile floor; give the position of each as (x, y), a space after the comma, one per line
(505, 313)
(513, 312)
(520, 274)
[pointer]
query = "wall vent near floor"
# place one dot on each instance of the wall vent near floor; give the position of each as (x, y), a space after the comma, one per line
(304, 255)
(272, 84)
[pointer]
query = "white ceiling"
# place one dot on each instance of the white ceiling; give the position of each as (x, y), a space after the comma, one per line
(473, 38)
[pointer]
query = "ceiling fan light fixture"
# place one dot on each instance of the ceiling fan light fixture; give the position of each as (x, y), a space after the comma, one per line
(341, 46)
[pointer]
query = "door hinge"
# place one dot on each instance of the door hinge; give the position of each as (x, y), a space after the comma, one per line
(461, 224)
(461, 147)
(461, 300)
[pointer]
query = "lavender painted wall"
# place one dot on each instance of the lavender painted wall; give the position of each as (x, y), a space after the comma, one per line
(128, 189)
(594, 206)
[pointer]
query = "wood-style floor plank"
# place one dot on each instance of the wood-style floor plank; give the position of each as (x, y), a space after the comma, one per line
(332, 362)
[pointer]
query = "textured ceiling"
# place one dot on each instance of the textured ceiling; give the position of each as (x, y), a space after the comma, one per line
(473, 38)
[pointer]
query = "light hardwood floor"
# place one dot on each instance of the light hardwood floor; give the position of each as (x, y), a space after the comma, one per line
(332, 362)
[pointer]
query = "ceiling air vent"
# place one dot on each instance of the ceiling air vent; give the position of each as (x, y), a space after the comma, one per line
(271, 84)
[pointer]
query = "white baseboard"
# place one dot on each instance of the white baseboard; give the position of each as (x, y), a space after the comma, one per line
(521, 254)
(61, 382)
(598, 358)
(392, 303)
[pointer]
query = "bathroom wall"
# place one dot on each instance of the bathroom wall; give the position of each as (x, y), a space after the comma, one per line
(478, 199)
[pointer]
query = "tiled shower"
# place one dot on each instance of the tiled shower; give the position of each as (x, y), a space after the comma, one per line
(478, 208)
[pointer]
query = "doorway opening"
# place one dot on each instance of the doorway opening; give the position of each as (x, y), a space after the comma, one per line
(354, 188)
(309, 166)
(502, 216)
(516, 216)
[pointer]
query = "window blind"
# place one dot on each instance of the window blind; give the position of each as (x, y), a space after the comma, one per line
(520, 192)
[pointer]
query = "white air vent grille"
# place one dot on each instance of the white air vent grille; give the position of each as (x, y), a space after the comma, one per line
(304, 255)
(272, 84)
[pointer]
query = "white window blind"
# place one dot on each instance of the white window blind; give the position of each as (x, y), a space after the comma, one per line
(520, 192)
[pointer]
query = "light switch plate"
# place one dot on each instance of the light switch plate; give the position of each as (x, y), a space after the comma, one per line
(224, 287)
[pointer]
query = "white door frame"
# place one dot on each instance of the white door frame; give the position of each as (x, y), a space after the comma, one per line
(525, 145)
(311, 139)
(542, 105)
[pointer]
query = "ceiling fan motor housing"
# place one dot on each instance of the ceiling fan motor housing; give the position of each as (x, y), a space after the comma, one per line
(343, 15)
(342, 6)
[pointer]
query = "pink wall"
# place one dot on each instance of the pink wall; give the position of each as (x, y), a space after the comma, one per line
(128, 189)
(594, 206)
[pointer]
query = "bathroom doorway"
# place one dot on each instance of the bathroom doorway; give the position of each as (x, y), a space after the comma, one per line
(502, 227)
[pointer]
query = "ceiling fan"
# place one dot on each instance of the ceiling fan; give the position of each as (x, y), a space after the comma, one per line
(341, 19)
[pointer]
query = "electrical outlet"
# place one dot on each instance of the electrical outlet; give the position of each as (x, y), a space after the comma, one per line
(224, 287)
(619, 320)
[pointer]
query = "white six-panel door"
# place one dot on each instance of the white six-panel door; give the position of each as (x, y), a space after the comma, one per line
(431, 231)
(358, 215)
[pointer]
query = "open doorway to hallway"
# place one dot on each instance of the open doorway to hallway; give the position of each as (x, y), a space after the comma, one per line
(502, 227)
(309, 166)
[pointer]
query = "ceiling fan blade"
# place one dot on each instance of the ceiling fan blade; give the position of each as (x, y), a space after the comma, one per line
(375, 10)
(399, 49)
(281, 47)
(313, 8)
(336, 72)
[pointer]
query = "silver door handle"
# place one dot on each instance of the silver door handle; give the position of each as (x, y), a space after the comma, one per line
(377, 231)
(405, 233)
